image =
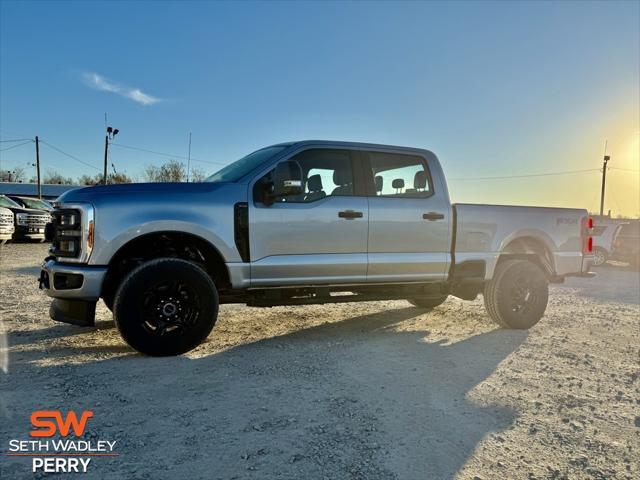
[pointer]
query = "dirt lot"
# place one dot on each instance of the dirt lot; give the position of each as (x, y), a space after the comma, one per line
(374, 390)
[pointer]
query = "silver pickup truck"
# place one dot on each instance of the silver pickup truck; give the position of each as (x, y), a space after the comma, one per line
(300, 223)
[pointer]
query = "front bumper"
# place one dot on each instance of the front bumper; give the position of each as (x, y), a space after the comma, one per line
(6, 232)
(32, 233)
(73, 282)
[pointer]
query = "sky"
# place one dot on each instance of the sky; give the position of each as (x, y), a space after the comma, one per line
(494, 89)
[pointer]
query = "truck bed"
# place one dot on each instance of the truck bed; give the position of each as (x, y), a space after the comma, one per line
(484, 231)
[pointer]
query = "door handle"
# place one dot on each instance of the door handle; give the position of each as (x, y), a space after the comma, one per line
(350, 214)
(431, 216)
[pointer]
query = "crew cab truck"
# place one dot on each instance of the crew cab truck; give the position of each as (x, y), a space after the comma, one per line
(300, 223)
(29, 223)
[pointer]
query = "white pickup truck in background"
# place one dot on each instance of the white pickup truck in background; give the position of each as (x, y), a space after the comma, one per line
(300, 223)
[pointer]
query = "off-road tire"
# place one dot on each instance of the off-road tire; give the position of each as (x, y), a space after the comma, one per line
(139, 312)
(504, 291)
(427, 303)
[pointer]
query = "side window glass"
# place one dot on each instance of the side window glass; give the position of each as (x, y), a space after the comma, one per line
(396, 175)
(326, 172)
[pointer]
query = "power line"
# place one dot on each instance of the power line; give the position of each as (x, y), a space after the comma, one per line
(624, 169)
(69, 155)
(16, 140)
(16, 146)
(569, 172)
(165, 154)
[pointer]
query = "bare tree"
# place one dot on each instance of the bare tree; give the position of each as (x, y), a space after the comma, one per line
(89, 180)
(111, 178)
(172, 171)
(54, 177)
(119, 177)
(16, 175)
(197, 175)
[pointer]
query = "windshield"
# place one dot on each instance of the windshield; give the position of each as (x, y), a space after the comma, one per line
(238, 169)
(35, 203)
(5, 202)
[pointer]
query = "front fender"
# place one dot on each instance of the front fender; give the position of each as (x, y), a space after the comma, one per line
(120, 229)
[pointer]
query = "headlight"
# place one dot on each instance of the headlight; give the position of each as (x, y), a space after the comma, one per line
(73, 232)
(69, 247)
(69, 219)
(21, 219)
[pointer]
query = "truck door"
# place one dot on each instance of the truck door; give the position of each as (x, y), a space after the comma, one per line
(317, 237)
(409, 220)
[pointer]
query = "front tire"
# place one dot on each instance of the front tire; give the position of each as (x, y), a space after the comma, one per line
(166, 307)
(517, 296)
(427, 303)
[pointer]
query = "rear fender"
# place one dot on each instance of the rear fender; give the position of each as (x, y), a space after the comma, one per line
(531, 245)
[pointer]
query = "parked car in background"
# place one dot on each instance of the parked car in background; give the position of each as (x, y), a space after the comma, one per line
(6, 225)
(29, 223)
(626, 244)
(602, 241)
(29, 202)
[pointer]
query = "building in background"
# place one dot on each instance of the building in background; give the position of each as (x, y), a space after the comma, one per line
(49, 191)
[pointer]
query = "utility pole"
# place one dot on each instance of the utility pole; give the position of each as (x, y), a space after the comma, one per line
(189, 159)
(111, 134)
(604, 178)
(106, 149)
(38, 167)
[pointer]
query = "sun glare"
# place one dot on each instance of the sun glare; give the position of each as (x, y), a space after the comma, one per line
(631, 155)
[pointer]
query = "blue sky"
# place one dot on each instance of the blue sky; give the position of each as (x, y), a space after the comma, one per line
(492, 88)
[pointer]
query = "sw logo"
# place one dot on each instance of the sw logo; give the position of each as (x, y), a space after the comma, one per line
(51, 421)
(51, 451)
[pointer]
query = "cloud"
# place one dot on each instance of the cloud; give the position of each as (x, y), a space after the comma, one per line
(98, 82)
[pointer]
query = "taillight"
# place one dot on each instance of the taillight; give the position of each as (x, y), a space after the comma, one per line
(587, 239)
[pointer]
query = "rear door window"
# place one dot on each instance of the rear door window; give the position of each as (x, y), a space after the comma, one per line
(399, 175)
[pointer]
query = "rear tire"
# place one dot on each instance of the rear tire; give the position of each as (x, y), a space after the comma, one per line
(517, 296)
(166, 307)
(427, 302)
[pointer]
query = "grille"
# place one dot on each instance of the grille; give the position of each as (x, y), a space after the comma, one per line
(6, 219)
(37, 220)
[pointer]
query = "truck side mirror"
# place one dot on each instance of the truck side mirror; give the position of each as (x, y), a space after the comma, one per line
(286, 180)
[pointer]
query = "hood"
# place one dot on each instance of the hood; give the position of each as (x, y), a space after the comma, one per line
(136, 189)
(32, 211)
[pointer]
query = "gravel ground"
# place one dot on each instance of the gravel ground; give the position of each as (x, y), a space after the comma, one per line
(374, 390)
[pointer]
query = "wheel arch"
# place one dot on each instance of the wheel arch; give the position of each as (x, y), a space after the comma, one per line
(166, 243)
(534, 248)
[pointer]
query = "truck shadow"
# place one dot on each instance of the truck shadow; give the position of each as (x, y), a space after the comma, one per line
(359, 398)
